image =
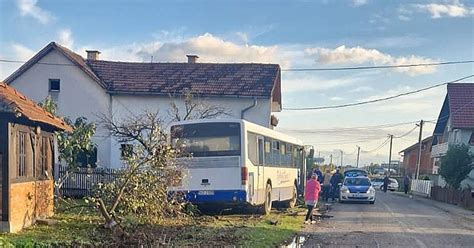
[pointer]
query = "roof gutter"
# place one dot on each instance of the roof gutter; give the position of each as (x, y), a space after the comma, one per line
(255, 102)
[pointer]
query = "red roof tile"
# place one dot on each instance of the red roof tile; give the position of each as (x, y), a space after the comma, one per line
(255, 80)
(461, 104)
(12, 101)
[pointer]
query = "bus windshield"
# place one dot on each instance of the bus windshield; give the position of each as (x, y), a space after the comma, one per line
(208, 139)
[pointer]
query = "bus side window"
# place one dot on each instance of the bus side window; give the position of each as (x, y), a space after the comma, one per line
(252, 148)
(268, 152)
(260, 151)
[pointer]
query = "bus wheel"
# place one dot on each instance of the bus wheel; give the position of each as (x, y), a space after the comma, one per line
(267, 206)
(292, 202)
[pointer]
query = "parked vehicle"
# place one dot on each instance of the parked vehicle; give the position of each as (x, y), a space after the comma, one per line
(355, 173)
(378, 184)
(235, 162)
(357, 189)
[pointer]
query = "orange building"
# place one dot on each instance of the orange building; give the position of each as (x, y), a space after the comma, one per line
(410, 157)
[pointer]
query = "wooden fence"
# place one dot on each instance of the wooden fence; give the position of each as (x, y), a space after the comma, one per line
(463, 198)
(81, 182)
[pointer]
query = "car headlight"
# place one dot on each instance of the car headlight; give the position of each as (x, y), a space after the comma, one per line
(344, 190)
(371, 190)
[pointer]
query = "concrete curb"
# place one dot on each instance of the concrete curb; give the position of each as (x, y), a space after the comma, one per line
(468, 215)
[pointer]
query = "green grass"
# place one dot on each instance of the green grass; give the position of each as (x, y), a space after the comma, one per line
(80, 227)
(263, 234)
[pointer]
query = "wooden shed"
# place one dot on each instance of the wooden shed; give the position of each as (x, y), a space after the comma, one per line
(26, 160)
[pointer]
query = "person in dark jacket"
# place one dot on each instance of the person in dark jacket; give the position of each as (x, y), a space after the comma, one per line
(336, 179)
(318, 172)
(406, 183)
(386, 181)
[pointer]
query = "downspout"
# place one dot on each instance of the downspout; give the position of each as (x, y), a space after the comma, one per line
(242, 114)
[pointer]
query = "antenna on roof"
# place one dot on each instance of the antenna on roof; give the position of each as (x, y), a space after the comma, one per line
(151, 59)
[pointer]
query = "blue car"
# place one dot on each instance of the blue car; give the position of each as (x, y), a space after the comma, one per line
(357, 189)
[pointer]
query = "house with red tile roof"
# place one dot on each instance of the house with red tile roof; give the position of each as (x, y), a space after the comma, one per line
(410, 158)
(455, 124)
(26, 159)
(90, 87)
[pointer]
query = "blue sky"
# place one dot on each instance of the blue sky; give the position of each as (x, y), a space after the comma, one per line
(294, 34)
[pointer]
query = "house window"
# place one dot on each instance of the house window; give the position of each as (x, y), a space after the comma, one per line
(54, 85)
(21, 154)
(126, 150)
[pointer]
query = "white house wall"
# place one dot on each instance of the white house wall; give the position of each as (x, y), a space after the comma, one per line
(79, 95)
(125, 106)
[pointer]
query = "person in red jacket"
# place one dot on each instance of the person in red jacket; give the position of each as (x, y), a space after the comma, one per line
(311, 196)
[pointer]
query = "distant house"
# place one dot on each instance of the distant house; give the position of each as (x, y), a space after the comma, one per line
(455, 123)
(26, 160)
(410, 158)
(92, 87)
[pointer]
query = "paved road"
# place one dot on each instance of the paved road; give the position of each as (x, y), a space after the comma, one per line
(393, 221)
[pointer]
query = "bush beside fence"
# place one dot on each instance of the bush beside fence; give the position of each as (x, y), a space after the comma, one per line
(81, 182)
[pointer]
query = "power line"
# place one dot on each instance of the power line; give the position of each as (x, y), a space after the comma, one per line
(348, 128)
(405, 134)
(380, 99)
(378, 67)
(303, 69)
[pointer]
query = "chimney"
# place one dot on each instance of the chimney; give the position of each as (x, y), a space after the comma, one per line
(192, 58)
(92, 54)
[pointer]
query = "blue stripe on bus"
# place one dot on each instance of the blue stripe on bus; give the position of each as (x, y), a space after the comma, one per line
(218, 196)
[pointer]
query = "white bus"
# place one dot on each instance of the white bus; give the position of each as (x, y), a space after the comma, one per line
(236, 162)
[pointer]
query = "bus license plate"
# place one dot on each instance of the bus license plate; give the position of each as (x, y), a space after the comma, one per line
(206, 192)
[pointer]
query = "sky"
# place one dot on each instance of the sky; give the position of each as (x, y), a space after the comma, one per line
(294, 34)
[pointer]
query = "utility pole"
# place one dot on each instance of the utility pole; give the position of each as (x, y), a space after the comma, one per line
(330, 163)
(420, 145)
(358, 154)
(390, 154)
(342, 155)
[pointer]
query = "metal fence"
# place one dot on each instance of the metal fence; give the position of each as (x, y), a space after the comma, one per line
(463, 198)
(81, 182)
(421, 187)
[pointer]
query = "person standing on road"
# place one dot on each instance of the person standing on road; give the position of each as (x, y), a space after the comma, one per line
(326, 185)
(406, 183)
(318, 172)
(336, 179)
(311, 196)
(386, 181)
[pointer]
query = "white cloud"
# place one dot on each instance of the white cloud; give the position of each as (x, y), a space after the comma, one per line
(213, 49)
(404, 18)
(453, 9)
(359, 2)
(65, 38)
(22, 52)
(360, 55)
(336, 98)
(361, 89)
(30, 8)
(208, 47)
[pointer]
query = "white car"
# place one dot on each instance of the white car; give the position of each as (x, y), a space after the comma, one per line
(357, 189)
(378, 184)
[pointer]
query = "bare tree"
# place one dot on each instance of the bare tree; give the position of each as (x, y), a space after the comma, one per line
(194, 108)
(141, 186)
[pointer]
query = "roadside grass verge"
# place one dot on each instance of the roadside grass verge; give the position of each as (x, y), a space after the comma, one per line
(82, 228)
